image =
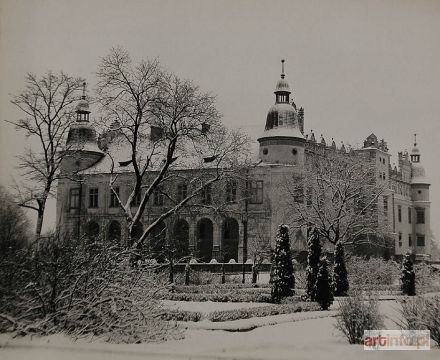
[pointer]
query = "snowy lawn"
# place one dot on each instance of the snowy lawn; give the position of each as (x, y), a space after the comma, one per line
(309, 339)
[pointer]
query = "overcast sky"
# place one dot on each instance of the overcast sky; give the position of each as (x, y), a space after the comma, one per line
(357, 67)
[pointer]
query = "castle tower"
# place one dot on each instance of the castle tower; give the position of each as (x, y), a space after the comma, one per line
(82, 144)
(282, 141)
(421, 204)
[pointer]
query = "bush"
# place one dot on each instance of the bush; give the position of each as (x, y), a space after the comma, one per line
(372, 273)
(313, 258)
(214, 288)
(237, 314)
(181, 315)
(340, 280)
(408, 277)
(422, 313)
(355, 316)
(282, 279)
(83, 287)
(323, 289)
(218, 297)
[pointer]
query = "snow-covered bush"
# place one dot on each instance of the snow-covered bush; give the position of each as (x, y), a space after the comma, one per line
(355, 315)
(83, 287)
(422, 313)
(372, 274)
(282, 279)
(246, 313)
(408, 278)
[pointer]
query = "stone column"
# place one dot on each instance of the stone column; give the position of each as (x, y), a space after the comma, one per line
(192, 233)
(217, 239)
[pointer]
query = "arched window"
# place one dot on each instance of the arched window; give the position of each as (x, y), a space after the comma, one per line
(230, 239)
(92, 230)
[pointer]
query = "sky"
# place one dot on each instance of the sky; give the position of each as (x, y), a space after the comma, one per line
(357, 67)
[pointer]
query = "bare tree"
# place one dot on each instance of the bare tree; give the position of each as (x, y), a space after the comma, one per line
(172, 132)
(48, 107)
(338, 194)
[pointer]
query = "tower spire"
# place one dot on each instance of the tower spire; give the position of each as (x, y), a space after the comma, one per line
(415, 140)
(282, 69)
(84, 91)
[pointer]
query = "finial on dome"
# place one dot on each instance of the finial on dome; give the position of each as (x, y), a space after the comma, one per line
(415, 139)
(282, 68)
(84, 91)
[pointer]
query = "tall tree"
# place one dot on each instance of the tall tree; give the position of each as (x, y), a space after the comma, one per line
(338, 194)
(282, 279)
(48, 107)
(170, 129)
(340, 277)
(313, 258)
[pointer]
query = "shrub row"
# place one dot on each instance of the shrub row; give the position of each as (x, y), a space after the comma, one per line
(217, 297)
(213, 288)
(246, 313)
(181, 315)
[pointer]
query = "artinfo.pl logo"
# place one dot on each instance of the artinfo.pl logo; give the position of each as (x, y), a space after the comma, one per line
(397, 340)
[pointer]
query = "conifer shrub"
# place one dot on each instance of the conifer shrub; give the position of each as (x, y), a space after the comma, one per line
(313, 256)
(282, 279)
(408, 278)
(340, 278)
(323, 289)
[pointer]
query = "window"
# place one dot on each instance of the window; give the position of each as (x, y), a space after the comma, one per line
(400, 239)
(74, 200)
(420, 240)
(420, 216)
(113, 198)
(157, 197)
(256, 192)
(207, 195)
(385, 206)
(409, 215)
(231, 191)
(399, 213)
(409, 240)
(93, 198)
(182, 192)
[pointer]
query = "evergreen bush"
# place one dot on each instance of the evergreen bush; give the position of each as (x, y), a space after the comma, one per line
(408, 278)
(313, 256)
(340, 278)
(323, 289)
(282, 280)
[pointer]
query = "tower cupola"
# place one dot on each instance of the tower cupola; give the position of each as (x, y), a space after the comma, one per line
(418, 173)
(282, 140)
(82, 143)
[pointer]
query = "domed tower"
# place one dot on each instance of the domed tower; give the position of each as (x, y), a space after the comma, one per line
(282, 141)
(82, 145)
(420, 200)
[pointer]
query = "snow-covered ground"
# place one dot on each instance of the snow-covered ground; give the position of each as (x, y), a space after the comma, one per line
(308, 339)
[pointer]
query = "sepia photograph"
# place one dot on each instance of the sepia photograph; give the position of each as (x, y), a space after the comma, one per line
(219, 179)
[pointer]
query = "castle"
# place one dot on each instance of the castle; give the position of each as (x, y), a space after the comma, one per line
(85, 204)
